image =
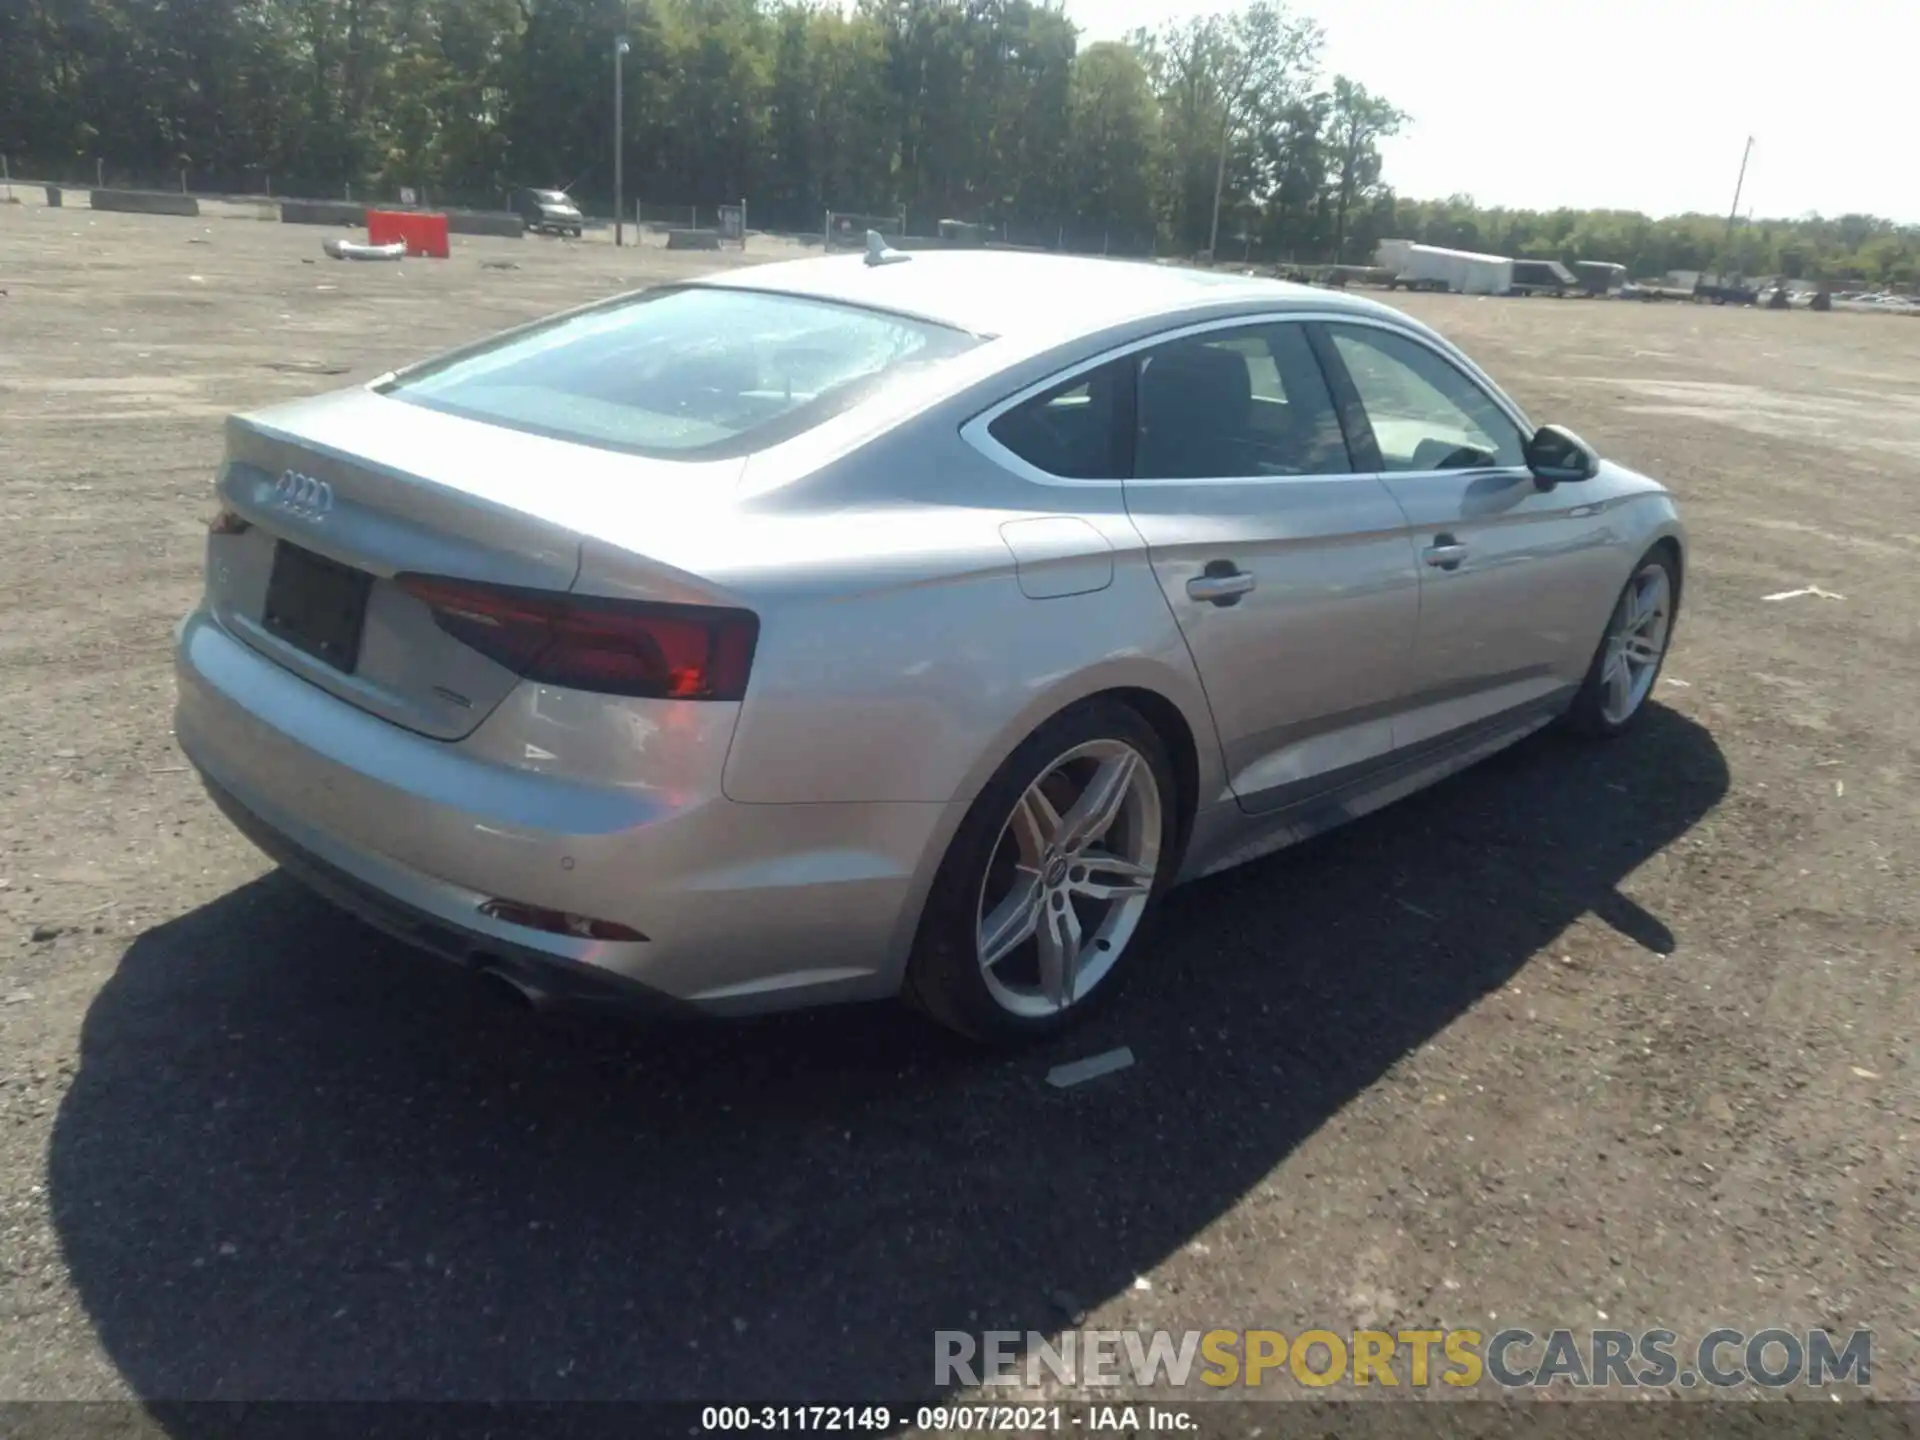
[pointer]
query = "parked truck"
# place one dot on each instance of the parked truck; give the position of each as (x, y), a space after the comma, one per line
(1725, 290)
(1392, 255)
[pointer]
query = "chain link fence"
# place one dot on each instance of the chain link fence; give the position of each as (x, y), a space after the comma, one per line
(846, 230)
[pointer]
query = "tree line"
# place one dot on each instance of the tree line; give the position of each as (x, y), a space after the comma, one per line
(1219, 133)
(1860, 249)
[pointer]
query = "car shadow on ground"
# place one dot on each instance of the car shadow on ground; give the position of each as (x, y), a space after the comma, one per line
(298, 1162)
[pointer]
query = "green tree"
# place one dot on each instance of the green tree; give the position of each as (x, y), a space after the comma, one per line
(984, 110)
(1358, 121)
(1114, 133)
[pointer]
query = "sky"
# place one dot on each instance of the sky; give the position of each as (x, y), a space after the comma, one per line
(1628, 104)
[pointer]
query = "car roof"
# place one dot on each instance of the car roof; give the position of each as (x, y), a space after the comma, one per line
(1028, 295)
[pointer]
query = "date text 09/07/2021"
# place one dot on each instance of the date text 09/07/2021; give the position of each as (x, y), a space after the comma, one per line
(947, 1419)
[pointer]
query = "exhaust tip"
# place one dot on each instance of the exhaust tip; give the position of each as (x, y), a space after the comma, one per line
(513, 990)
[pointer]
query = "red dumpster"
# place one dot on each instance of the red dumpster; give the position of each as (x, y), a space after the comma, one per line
(424, 233)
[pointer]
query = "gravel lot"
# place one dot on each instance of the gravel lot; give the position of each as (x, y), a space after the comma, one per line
(1623, 1033)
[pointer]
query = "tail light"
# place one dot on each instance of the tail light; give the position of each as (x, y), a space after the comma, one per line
(582, 642)
(228, 521)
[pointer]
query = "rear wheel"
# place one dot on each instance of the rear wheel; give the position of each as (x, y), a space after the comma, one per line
(1627, 665)
(1048, 885)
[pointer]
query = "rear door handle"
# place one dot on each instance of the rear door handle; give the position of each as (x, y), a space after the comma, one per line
(1221, 585)
(1445, 552)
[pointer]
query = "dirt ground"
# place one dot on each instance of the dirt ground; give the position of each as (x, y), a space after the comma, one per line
(1585, 1036)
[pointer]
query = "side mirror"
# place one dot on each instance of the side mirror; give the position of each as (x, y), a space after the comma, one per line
(1557, 456)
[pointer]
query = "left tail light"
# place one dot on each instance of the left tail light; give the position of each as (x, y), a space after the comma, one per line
(637, 648)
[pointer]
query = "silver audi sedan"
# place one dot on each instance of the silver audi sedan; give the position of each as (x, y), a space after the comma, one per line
(891, 625)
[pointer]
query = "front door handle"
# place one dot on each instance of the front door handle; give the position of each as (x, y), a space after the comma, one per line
(1222, 584)
(1445, 552)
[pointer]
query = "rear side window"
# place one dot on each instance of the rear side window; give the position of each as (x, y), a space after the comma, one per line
(1074, 430)
(686, 374)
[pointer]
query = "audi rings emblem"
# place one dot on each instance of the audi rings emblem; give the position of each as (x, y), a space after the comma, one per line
(303, 495)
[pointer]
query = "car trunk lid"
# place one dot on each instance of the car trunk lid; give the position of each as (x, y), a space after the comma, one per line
(337, 496)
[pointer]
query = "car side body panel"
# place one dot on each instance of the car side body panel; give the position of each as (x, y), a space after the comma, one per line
(1518, 619)
(907, 671)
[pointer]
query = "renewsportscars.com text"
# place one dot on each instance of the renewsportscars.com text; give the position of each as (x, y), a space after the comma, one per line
(1513, 1359)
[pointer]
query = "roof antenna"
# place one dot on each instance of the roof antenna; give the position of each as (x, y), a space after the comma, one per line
(881, 253)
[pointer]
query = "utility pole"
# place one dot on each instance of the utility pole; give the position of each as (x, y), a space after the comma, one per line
(620, 48)
(1738, 186)
(1228, 100)
(1220, 173)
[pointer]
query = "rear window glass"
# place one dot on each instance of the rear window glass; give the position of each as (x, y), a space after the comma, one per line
(1072, 431)
(687, 374)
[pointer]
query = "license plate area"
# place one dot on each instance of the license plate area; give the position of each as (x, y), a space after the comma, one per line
(317, 605)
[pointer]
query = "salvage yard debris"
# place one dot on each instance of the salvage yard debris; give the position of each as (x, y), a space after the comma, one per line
(1814, 590)
(1078, 1072)
(355, 250)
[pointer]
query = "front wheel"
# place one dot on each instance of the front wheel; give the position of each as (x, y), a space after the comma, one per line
(1048, 884)
(1626, 667)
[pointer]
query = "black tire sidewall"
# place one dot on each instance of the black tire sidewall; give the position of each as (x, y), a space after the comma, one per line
(943, 973)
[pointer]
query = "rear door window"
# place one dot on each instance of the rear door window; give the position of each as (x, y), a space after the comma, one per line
(1237, 404)
(694, 373)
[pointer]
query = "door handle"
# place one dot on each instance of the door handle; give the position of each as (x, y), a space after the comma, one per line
(1222, 584)
(1445, 552)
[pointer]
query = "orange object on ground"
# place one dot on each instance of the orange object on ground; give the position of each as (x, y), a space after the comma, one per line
(424, 234)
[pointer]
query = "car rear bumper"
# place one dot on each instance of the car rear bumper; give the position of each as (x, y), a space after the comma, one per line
(745, 907)
(535, 971)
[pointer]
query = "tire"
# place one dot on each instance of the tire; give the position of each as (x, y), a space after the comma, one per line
(1597, 711)
(1001, 857)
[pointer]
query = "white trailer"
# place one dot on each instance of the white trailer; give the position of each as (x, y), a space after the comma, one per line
(1392, 255)
(1487, 275)
(1433, 267)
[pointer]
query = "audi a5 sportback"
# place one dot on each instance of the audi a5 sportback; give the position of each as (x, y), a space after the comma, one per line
(891, 625)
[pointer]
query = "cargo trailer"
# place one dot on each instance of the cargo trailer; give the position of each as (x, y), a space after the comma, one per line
(1542, 277)
(1600, 277)
(1433, 267)
(1392, 255)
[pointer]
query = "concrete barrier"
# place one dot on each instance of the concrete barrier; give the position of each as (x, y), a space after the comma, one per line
(502, 223)
(693, 240)
(144, 202)
(322, 212)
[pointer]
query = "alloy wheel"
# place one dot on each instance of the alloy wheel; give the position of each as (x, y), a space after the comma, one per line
(1069, 879)
(1636, 643)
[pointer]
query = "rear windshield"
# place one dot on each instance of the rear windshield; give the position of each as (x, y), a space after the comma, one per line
(695, 373)
(551, 197)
